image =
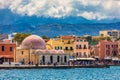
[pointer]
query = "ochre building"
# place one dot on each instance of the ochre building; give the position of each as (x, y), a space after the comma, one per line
(64, 43)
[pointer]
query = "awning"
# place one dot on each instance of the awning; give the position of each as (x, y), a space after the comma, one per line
(96, 56)
(85, 59)
(115, 59)
(6, 56)
(107, 58)
(72, 59)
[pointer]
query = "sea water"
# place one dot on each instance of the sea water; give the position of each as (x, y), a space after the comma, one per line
(112, 73)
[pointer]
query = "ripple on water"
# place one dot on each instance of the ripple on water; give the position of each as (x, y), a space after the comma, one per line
(111, 73)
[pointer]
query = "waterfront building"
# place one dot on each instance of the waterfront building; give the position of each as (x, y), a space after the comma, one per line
(81, 48)
(106, 50)
(119, 49)
(64, 43)
(54, 43)
(115, 34)
(33, 51)
(68, 42)
(7, 50)
(3, 36)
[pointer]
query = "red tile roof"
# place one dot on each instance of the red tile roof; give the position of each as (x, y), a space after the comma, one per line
(66, 37)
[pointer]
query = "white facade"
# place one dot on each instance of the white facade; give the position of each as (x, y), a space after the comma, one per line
(53, 58)
(115, 34)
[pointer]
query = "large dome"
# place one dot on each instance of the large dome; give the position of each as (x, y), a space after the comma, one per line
(33, 42)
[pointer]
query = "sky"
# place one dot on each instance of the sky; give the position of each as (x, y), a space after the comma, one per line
(88, 9)
(25, 15)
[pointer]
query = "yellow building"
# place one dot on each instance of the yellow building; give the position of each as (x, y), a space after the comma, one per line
(64, 43)
(55, 44)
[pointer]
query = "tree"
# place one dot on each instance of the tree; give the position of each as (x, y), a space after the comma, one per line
(56, 37)
(88, 38)
(45, 37)
(109, 38)
(19, 37)
(102, 35)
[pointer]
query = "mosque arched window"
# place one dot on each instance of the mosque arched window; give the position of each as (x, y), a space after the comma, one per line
(43, 59)
(65, 59)
(58, 58)
(51, 59)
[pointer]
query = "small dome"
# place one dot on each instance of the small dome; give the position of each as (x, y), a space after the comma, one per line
(60, 51)
(53, 51)
(39, 51)
(33, 42)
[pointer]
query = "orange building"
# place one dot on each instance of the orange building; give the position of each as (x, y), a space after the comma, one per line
(81, 48)
(7, 51)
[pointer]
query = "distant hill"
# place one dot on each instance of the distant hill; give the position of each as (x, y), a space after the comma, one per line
(59, 29)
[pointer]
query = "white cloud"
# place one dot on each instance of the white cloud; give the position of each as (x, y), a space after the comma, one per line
(89, 9)
(91, 15)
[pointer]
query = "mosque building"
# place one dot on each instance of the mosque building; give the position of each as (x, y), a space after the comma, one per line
(33, 50)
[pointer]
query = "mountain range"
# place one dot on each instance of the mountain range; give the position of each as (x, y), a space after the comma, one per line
(52, 30)
(10, 22)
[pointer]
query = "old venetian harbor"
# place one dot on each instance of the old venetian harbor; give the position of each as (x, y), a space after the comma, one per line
(111, 73)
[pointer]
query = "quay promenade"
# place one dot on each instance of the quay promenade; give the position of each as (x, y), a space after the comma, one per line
(51, 66)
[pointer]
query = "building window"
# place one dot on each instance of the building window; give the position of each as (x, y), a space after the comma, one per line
(109, 33)
(68, 42)
(80, 54)
(22, 52)
(106, 46)
(85, 47)
(85, 54)
(65, 59)
(77, 40)
(76, 54)
(114, 54)
(107, 52)
(11, 49)
(60, 47)
(112, 46)
(80, 47)
(81, 40)
(55, 48)
(66, 48)
(71, 48)
(58, 58)
(77, 46)
(51, 59)
(85, 40)
(3, 48)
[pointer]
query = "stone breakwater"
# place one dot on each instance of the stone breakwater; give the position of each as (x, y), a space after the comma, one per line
(51, 66)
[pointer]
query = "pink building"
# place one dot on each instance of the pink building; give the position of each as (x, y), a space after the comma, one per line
(106, 49)
(81, 48)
